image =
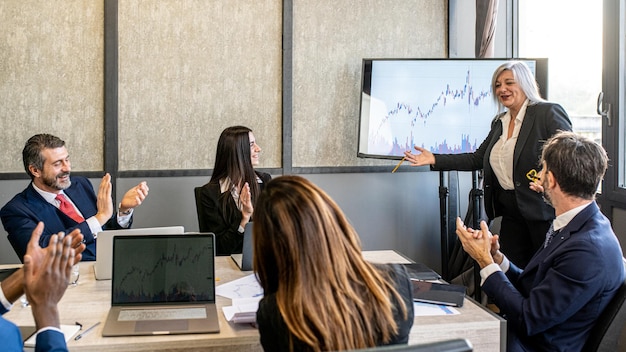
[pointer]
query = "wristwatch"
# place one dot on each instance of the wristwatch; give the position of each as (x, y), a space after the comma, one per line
(119, 210)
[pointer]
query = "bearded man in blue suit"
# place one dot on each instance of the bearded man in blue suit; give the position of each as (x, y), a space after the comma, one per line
(554, 302)
(47, 162)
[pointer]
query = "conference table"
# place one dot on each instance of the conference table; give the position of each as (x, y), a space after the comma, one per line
(89, 302)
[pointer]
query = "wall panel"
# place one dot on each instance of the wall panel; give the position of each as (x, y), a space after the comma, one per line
(330, 40)
(51, 77)
(190, 68)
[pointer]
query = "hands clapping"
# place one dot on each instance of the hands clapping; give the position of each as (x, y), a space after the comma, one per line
(479, 244)
(245, 198)
(47, 272)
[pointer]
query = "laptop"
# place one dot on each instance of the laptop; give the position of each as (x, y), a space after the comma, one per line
(244, 259)
(104, 246)
(163, 284)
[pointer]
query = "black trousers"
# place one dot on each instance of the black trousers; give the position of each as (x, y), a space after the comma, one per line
(519, 238)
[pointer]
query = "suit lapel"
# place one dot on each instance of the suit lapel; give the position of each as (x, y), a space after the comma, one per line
(497, 134)
(566, 232)
(573, 226)
(81, 199)
(46, 212)
(36, 202)
(524, 132)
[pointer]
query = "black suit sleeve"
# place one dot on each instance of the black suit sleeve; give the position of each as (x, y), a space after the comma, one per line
(222, 220)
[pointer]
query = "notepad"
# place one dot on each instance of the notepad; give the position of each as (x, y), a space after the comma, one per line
(243, 310)
(68, 332)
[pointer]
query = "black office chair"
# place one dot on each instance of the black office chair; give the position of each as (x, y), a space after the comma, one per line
(456, 345)
(196, 192)
(605, 334)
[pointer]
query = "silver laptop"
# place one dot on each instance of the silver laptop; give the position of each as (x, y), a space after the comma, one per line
(244, 259)
(104, 246)
(163, 284)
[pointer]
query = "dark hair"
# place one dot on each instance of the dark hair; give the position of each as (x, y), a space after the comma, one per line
(577, 163)
(308, 254)
(232, 160)
(31, 154)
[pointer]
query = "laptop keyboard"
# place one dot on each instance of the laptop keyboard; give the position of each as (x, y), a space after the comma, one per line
(161, 314)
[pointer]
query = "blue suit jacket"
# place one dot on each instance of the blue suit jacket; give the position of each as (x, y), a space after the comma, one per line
(553, 303)
(541, 121)
(22, 213)
(49, 340)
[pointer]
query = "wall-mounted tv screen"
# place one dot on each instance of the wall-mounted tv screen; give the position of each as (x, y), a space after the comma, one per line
(443, 105)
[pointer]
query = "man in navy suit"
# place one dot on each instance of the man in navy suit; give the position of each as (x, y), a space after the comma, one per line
(553, 303)
(47, 162)
(44, 279)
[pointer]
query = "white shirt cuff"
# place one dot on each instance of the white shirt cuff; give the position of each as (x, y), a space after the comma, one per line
(124, 220)
(49, 328)
(487, 271)
(493, 267)
(506, 264)
(7, 305)
(94, 226)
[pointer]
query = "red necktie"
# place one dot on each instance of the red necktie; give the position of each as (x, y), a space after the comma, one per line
(67, 208)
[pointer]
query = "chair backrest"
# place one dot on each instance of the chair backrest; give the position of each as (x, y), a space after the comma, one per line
(196, 192)
(455, 345)
(605, 334)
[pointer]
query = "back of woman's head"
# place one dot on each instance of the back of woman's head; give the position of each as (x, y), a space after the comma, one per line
(307, 253)
(300, 228)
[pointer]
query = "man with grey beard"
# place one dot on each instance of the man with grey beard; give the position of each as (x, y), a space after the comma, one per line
(62, 202)
(554, 302)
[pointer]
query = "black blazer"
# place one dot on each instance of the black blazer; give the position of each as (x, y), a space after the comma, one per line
(224, 223)
(541, 121)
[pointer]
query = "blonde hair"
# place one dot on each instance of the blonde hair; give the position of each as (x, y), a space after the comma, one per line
(307, 253)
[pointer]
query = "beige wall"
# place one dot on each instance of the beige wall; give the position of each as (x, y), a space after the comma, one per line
(187, 70)
(51, 78)
(190, 68)
(330, 40)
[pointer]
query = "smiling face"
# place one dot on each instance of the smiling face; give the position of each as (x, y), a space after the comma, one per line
(55, 174)
(255, 150)
(509, 92)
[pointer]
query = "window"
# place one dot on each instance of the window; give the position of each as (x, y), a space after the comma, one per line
(569, 34)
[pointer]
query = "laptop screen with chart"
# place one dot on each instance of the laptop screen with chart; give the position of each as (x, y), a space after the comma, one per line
(104, 249)
(162, 284)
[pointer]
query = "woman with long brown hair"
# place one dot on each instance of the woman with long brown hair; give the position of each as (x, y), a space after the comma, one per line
(319, 292)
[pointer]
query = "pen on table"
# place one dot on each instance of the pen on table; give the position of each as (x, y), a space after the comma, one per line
(400, 163)
(79, 336)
